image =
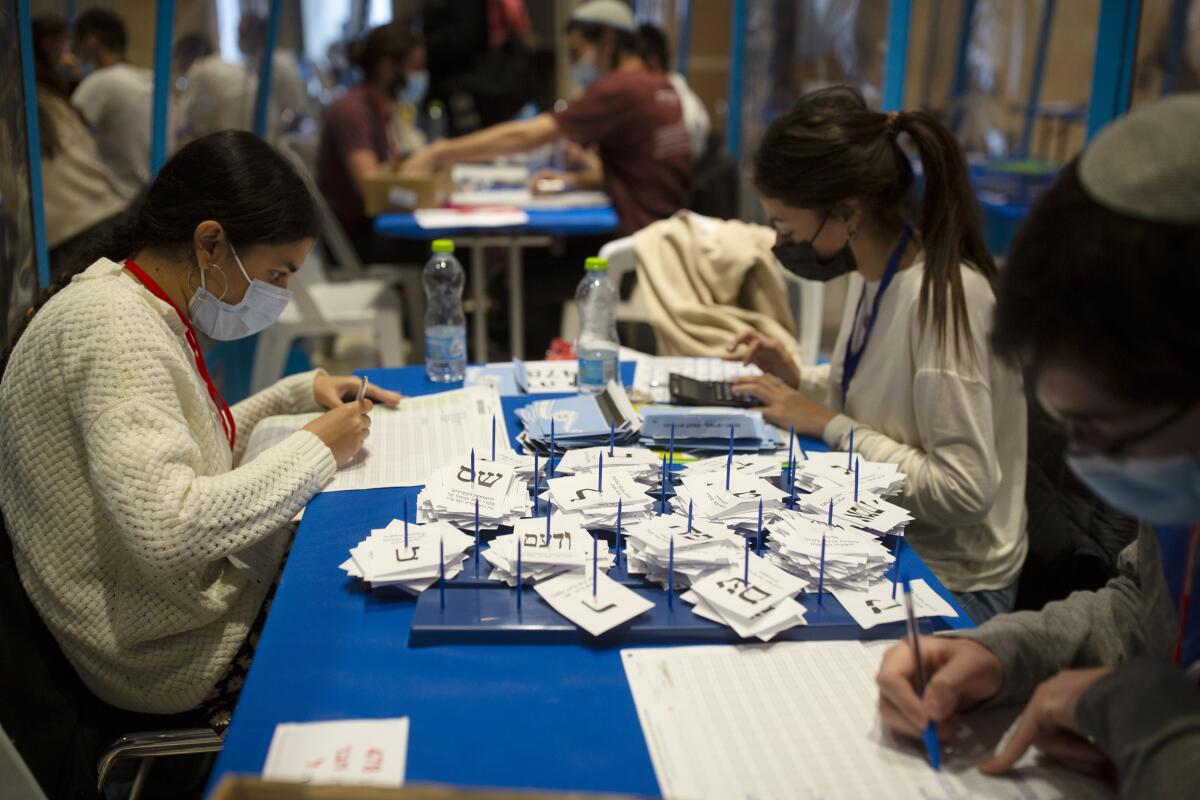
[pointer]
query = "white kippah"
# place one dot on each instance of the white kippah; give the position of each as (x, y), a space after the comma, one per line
(1147, 164)
(609, 13)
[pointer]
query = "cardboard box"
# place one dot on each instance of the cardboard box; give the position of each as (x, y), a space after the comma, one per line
(388, 190)
(246, 788)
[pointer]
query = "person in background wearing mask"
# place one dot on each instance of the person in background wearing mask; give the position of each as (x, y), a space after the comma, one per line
(632, 115)
(115, 98)
(1097, 302)
(122, 484)
(360, 133)
(911, 376)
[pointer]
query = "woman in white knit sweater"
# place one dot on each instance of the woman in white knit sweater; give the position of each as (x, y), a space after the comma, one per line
(911, 373)
(121, 481)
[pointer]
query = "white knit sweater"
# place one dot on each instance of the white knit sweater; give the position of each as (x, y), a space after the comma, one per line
(121, 497)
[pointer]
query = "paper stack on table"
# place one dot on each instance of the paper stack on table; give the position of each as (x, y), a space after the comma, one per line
(597, 498)
(568, 547)
(708, 547)
(736, 506)
(452, 494)
(637, 462)
(412, 562)
(754, 465)
(879, 604)
(703, 428)
(367, 752)
(868, 513)
(651, 379)
(854, 559)
(580, 421)
(595, 603)
(837, 470)
(762, 606)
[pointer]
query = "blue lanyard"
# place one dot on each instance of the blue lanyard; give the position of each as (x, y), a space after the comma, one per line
(850, 363)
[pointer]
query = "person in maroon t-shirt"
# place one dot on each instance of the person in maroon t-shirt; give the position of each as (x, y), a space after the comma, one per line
(357, 134)
(631, 115)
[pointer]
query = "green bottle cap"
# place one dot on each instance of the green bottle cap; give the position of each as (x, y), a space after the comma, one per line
(596, 264)
(443, 246)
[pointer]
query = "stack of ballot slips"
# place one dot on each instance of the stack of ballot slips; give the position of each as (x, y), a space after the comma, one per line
(452, 493)
(580, 421)
(709, 429)
(853, 559)
(837, 471)
(868, 512)
(411, 561)
(636, 462)
(752, 465)
(596, 499)
(756, 599)
(546, 547)
(706, 548)
(708, 498)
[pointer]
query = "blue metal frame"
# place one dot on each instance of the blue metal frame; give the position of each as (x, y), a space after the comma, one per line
(164, 29)
(1035, 80)
(737, 64)
(683, 36)
(958, 84)
(896, 62)
(263, 101)
(33, 139)
(1116, 51)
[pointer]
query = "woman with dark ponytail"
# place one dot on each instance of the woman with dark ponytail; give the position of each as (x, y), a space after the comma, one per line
(145, 545)
(911, 373)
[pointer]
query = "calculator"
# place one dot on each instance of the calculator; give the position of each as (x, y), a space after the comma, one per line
(687, 391)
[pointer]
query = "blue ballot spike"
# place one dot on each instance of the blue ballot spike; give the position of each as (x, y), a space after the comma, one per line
(519, 580)
(620, 503)
(493, 437)
(791, 444)
(600, 475)
(671, 573)
(896, 564)
(662, 501)
(472, 469)
(850, 455)
(856, 478)
(829, 521)
(549, 508)
(537, 485)
(595, 563)
(746, 576)
(729, 460)
(792, 488)
(476, 537)
(689, 516)
(759, 548)
(803, 452)
(552, 446)
(406, 522)
(442, 572)
(821, 574)
(671, 447)
(612, 438)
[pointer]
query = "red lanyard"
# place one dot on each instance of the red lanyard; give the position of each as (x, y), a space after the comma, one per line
(193, 343)
(1185, 593)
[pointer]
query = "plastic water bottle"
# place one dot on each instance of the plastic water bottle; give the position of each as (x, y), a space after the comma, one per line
(437, 121)
(597, 345)
(445, 324)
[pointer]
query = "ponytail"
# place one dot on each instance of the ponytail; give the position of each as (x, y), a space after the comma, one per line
(830, 147)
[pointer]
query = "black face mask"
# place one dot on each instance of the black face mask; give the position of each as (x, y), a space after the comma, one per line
(801, 259)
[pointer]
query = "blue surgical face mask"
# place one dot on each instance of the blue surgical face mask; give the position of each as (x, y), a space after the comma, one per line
(416, 85)
(584, 72)
(1163, 491)
(218, 320)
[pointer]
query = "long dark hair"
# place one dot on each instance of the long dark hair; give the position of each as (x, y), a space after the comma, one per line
(830, 147)
(48, 30)
(1114, 291)
(232, 177)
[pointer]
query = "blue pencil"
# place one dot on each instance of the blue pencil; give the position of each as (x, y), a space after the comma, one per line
(821, 574)
(759, 548)
(729, 460)
(620, 502)
(493, 437)
(929, 735)
(671, 573)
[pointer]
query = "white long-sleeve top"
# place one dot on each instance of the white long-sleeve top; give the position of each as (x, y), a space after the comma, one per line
(955, 426)
(122, 498)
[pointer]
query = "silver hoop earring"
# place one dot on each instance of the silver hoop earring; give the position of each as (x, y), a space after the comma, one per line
(195, 271)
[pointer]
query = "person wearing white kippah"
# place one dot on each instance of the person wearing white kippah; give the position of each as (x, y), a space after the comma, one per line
(1098, 303)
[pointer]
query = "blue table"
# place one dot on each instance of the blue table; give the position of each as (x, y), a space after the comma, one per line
(542, 716)
(542, 224)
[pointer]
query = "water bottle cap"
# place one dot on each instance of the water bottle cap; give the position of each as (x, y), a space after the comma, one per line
(596, 264)
(443, 246)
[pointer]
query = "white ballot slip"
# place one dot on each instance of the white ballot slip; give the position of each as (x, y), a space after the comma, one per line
(368, 752)
(800, 720)
(877, 606)
(611, 604)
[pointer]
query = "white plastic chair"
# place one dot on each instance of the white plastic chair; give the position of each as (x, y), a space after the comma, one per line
(806, 298)
(321, 308)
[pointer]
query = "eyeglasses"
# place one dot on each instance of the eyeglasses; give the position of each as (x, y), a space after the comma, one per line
(1122, 445)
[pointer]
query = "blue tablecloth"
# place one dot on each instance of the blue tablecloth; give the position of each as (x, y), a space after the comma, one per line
(538, 715)
(542, 222)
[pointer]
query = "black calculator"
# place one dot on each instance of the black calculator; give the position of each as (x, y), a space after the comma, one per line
(687, 391)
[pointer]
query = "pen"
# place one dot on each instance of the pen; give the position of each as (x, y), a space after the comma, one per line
(929, 735)
(362, 389)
